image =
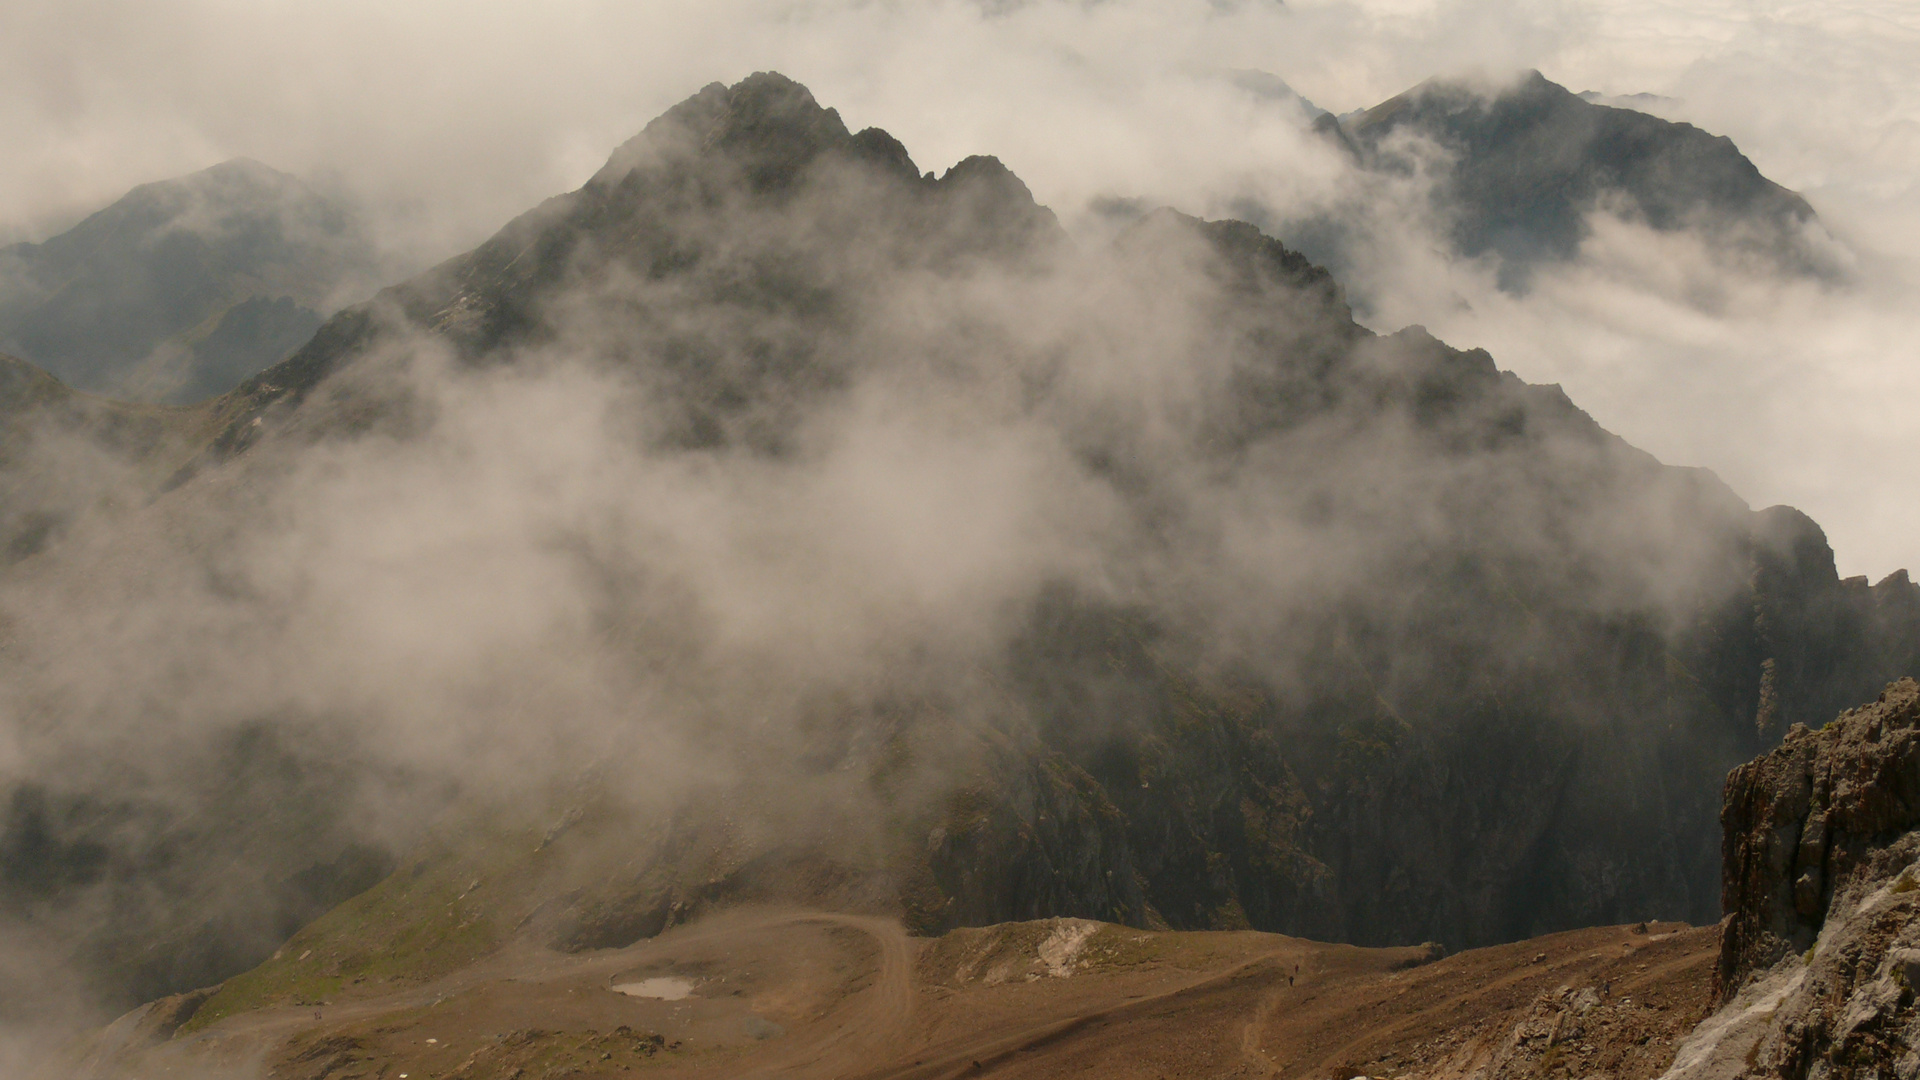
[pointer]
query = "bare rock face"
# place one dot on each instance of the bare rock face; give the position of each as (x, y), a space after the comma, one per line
(1821, 947)
(1816, 819)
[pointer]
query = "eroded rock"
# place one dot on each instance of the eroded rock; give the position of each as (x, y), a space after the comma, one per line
(1821, 946)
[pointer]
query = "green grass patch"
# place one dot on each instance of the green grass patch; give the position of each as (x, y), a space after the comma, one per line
(434, 915)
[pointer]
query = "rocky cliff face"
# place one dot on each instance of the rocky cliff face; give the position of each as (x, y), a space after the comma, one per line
(1818, 820)
(1820, 950)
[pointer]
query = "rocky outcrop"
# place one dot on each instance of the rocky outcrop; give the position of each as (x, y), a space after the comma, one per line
(1819, 818)
(1820, 949)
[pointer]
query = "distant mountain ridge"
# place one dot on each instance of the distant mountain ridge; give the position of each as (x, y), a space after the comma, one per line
(1522, 166)
(183, 287)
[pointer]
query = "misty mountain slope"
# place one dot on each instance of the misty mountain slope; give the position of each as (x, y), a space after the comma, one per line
(231, 345)
(1520, 168)
(783, 522)
(62, 450)
(737, 205)
(179, 879)
(125, 872)
(185, 286)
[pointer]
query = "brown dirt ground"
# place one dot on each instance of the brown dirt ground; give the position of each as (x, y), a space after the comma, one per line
(782, 992)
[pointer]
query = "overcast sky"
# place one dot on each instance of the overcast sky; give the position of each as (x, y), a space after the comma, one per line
(450, 117)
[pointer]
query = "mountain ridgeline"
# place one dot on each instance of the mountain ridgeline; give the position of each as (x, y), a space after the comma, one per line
(1301, 628)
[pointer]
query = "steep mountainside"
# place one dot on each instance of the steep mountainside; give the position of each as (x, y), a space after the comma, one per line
(1307, 629)
(1523, 166)
(183, 287)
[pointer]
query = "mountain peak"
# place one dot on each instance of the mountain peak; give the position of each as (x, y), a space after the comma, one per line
(1070, 519)
(249, 168)
(240, 183)
(769, 122)
(769, 100)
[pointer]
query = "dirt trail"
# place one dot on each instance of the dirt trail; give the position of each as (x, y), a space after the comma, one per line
(867, 1024)
(807, 994)
(965, 1058)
